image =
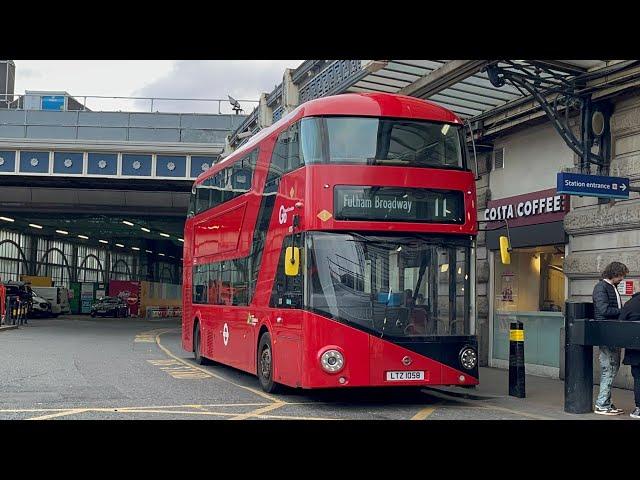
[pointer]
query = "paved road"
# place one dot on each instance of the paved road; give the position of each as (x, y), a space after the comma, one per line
(82, 368)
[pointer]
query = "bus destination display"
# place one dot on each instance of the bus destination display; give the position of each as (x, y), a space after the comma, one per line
(398, 204)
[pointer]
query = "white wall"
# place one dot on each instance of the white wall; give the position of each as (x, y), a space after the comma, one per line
(532, 158)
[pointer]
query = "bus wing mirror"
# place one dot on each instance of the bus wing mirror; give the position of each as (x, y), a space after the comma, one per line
(292, 261)
(505, 250)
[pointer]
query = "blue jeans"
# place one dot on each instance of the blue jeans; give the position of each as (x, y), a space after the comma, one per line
(609, 366)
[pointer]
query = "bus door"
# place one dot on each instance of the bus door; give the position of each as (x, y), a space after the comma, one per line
(286, 323)
(236, 333)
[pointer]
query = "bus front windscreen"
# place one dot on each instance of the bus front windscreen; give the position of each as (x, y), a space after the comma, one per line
(381, 141)
(391, 286)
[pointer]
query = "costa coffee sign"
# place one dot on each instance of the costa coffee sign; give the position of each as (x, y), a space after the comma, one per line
(533, 208)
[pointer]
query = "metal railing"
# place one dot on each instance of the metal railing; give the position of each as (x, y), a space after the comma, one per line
(104, 103)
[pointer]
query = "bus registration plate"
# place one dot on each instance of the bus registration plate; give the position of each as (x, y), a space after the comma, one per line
(405, 375)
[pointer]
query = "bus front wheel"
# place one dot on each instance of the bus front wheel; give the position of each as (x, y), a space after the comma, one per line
(265, 364)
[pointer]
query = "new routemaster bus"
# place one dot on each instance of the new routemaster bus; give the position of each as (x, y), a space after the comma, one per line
(336, 249)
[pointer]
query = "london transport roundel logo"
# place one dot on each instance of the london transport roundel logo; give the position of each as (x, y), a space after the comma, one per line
(225, 334)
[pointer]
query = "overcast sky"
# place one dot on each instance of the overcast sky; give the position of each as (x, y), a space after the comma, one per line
(242, 79)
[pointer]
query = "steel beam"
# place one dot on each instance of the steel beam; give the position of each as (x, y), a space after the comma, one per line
(448, 74)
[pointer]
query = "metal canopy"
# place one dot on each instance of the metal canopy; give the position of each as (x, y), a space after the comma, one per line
(469, 92)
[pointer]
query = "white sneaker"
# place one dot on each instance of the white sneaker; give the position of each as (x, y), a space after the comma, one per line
(610, 410)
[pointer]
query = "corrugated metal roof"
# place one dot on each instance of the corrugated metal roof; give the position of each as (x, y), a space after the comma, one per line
(470, 96)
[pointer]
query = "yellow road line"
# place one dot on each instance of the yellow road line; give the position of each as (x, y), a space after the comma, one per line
(516, 412)
(252, 390)
(494, 407)
(286, 417)
(28, 410)
(259, 411)
(424, 413)
(462, 403)
(172, 409)
(59, 414)
(181, 412)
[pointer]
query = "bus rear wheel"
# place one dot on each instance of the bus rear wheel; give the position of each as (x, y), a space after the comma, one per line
(265, 364)
(197, 346)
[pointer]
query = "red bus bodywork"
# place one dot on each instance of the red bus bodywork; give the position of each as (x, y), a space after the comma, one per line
(230, 334)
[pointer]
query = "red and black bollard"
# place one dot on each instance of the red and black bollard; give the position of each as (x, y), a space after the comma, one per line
(516, 360)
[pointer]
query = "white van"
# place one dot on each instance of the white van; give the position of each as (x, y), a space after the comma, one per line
(57, 296)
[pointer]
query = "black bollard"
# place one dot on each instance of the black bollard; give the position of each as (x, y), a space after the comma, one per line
(578, 362)
(516, 360)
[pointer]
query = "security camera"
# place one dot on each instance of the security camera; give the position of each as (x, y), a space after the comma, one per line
(235, 104)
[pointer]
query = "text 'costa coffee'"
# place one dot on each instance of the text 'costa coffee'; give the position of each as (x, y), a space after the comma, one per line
(527, 208)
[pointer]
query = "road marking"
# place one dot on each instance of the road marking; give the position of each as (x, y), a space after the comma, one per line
(179, 370)
(259, 411)
(424, 413)
(516, 412)
(145, 338)
(163, 361)
(174, 409)
(252, 390)
(466, 404)
(60, 414)
(148, 336)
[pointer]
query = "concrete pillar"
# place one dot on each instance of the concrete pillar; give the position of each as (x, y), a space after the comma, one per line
(228, 149)
(483, 295)
(265, 113)
(290, 92)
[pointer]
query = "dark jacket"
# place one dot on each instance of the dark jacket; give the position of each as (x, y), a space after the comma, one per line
(605, 301)
(631, 312)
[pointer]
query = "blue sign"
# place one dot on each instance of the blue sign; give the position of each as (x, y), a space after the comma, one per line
(592, 185)
(53, 102)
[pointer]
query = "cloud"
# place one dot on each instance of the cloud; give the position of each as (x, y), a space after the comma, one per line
(29, 73)
(242, 79)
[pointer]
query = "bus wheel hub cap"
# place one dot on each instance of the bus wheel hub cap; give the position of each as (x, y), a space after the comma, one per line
(266, 363)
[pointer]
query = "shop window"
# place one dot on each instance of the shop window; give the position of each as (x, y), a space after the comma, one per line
(534, 281)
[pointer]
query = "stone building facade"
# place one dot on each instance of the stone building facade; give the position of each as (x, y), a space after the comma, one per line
(598, 231)
(601, 232)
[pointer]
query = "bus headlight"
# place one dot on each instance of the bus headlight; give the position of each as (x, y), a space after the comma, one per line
(468, 358)
(332, 361)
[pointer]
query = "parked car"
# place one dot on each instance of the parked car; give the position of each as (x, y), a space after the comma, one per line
(110, 307)
(41, 308)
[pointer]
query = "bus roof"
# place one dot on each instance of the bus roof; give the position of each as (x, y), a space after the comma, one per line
(356, 104)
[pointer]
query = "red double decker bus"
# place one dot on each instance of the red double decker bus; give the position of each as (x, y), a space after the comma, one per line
(336, 249)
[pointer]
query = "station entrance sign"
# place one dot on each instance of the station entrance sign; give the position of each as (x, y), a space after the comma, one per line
(592, 185)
